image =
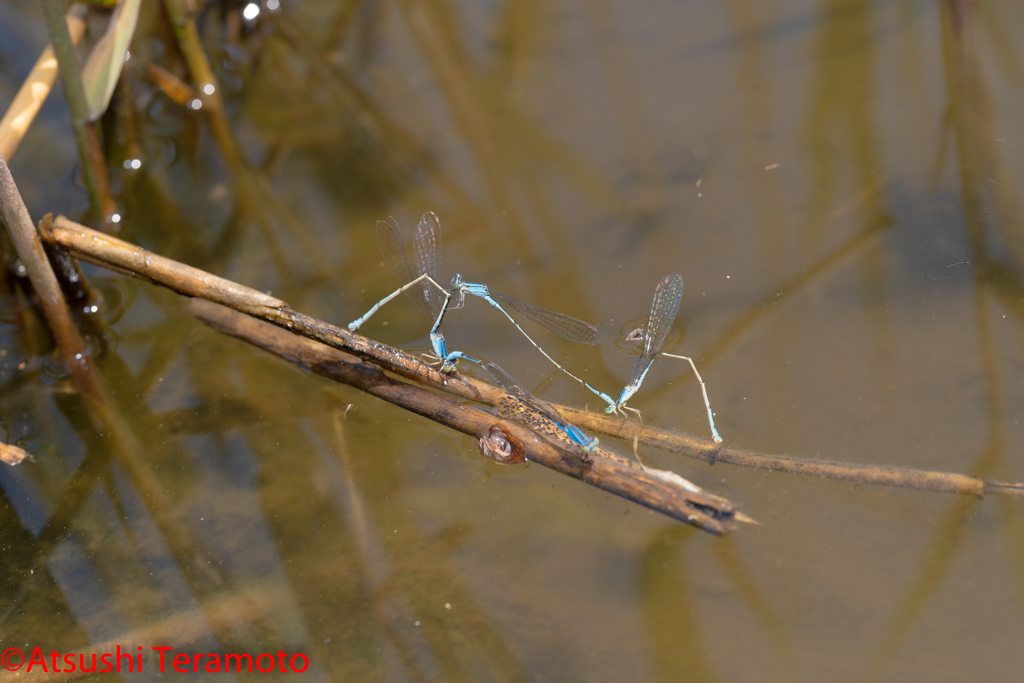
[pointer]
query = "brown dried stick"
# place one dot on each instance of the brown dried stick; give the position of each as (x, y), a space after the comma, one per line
(924, 480)
(112, 253)
(707, 512)
(710, 513)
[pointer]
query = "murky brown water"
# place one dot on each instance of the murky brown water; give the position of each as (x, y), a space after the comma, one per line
(837, 182)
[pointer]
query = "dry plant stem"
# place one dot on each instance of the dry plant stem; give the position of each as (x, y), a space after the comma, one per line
(44, 282)
(112, 253)
(709, 513)
(36, 88)
(74, 93)
(706, 512)
(925, 480)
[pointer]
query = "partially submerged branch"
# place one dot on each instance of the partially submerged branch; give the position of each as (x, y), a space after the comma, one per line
(109, 252)
(710, 513)
(609, 473)
(881, 475)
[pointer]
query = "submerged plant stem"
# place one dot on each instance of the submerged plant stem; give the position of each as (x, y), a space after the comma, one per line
(74, 93)
(44, 282)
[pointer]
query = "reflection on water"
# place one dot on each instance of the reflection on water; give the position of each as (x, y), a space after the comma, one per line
(813, 170)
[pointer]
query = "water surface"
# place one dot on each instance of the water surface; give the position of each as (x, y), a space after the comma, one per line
(837, 183)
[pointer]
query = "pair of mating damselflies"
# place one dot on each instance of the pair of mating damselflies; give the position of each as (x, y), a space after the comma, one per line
(433, 300)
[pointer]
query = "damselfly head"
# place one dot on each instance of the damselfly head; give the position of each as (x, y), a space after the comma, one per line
(457, 281)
